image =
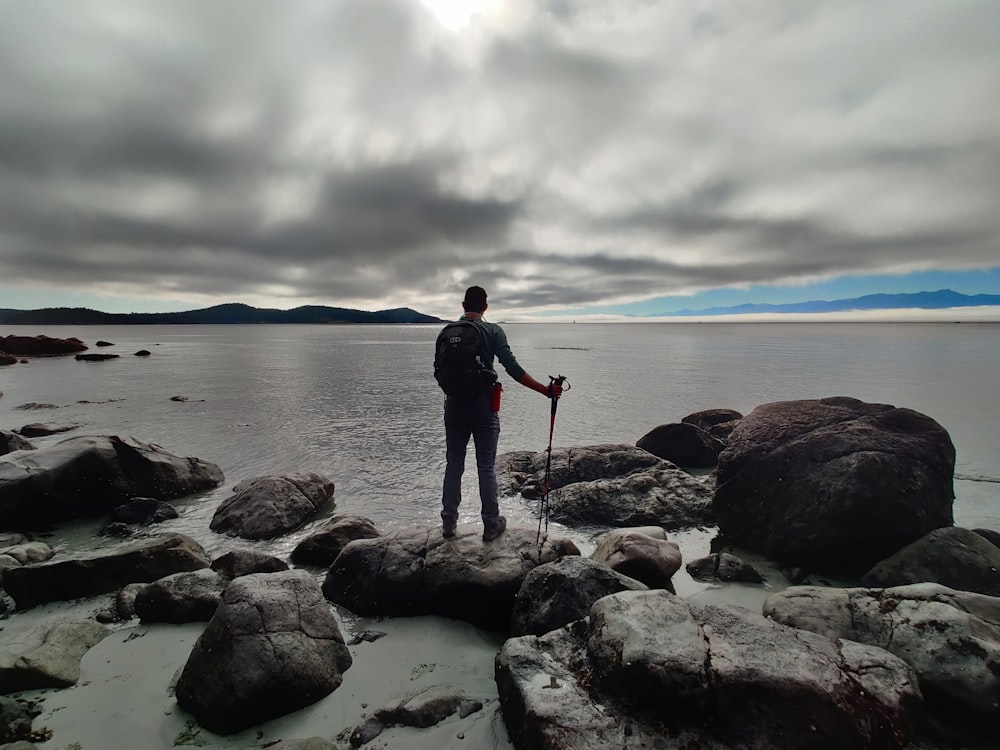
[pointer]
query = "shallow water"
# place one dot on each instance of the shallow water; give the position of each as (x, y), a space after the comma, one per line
(359, 403)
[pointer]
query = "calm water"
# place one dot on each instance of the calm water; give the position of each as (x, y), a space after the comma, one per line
(359, 403)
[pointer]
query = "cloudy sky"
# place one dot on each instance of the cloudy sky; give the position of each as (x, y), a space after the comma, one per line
(622, 156)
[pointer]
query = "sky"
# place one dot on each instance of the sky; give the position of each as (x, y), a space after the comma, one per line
(574, 158)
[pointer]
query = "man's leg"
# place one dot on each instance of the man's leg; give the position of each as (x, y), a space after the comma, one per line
(486, 433)
(457, 432)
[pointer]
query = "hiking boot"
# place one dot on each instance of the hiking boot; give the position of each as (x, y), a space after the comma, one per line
(493, 529)
(448, 526)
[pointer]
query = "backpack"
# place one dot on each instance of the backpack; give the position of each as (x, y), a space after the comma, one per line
(458, 363)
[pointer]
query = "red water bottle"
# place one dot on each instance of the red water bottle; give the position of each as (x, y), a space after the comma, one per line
(495, 401)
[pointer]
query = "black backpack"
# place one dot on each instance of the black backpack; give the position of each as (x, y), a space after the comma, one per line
(458, 363)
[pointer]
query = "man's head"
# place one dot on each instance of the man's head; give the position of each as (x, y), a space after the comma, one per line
(475, 299)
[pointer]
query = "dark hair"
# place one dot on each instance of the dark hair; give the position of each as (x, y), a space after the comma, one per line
(475, 299)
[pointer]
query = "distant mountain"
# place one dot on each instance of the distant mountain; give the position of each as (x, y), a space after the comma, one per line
(229, 314)
(941, 299)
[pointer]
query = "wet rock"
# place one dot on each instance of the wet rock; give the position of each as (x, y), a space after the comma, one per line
(524, 471)
(15, 720)
(835, 484)
(244, 562)
(88, 476)
(104, 343)
(142, 353)
(47, 655)
(272, 647)
(989, 535)
(557, 593)
(116, 529)
(27, 553)
(652, 560)
(95, 357)
(7, 359)
(683, 444)
(268, 506)
(418, 572)
(143, 560)
(322, 547)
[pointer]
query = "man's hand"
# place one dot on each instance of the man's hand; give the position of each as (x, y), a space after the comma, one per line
(555, 389)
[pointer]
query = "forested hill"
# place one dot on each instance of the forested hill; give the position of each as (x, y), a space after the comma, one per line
(228, 314)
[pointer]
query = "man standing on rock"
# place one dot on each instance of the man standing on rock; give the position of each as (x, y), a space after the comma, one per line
(463, 366)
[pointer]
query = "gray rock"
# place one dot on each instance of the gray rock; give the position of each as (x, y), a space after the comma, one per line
(272, 647)
(956, 558)
(47, 655)
(322, 547)
(11, 441)
(524, 471)
(88, 476)
(95, 357)
(243, 562)
(950, 638)
(722, 566)
(648, 670)
(140, 561)
(307, 743)
(647, 559)
(663, 495)
(181, 597)
(557, 593)
(417, 572)
(834, 484)
(989, 535)
(683, 444)
(40, 346)
(266, 507)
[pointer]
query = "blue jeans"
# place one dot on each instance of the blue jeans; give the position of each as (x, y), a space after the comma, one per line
(465, 418)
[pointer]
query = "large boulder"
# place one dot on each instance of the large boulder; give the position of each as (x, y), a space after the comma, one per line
(557, 593)
(683, 444)
(956, 558)
(47, 655)
(722, 566)
(269, 506)
(272, 647)
(11, 441)
(950, 638)
(7, 359)
(88, 476)
(649, 558)
(140, 561)
(181, 597)
(646, 669)
(40, 346)
(323, 546)
(833, 484)
(243, 562)
(418, 572)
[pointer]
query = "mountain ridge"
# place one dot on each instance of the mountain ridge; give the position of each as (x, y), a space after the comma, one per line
(941, 299)
(228, 314)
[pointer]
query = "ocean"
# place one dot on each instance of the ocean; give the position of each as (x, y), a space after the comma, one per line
(360, 405)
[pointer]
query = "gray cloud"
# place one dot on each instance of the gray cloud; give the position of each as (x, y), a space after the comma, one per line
(562, 154)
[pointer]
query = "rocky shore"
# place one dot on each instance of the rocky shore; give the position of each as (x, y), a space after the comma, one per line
(331, 648)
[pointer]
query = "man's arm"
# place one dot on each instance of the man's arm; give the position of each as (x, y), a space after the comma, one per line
(529, 382)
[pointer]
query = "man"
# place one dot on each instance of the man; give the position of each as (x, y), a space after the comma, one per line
(475, 417)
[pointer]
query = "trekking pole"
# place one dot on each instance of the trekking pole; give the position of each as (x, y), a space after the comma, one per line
(543, 504)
